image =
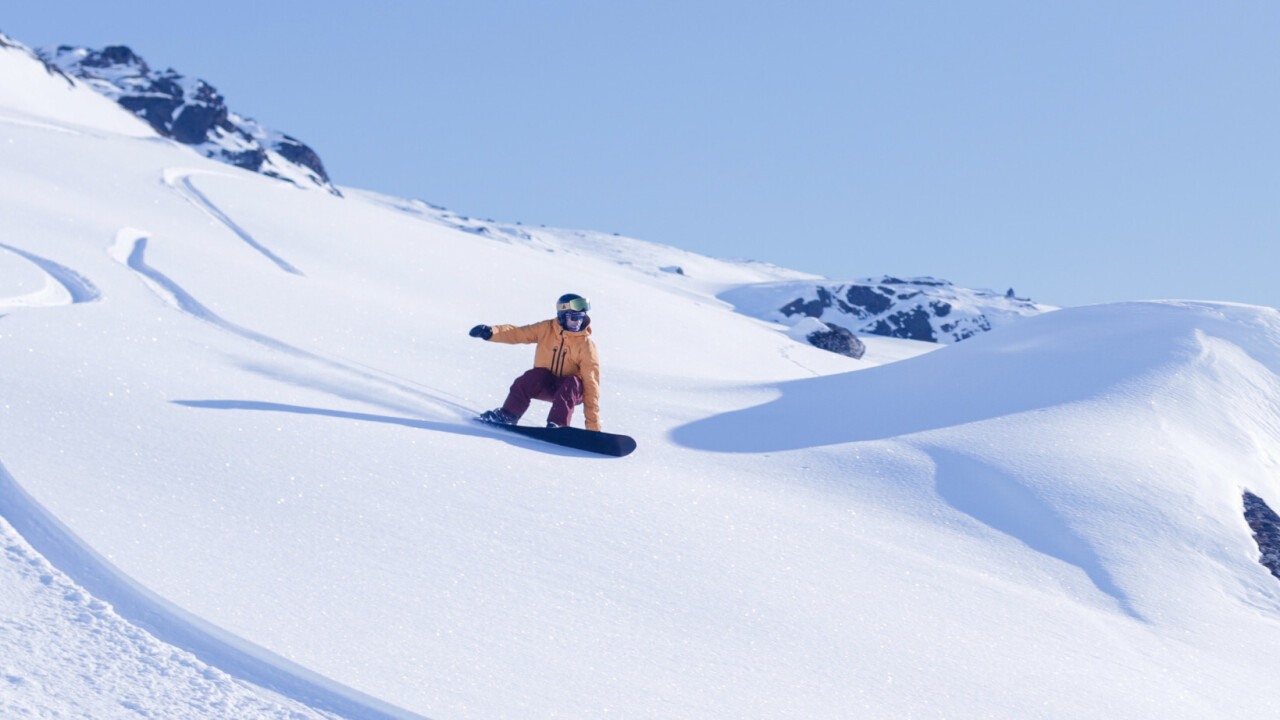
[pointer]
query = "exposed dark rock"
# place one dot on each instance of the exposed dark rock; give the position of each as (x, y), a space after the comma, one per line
(872, 300)
(1266, 530)
(195, 120)
(191, 112)
(890, 280)
(247, 159)
(157, 110)
(112, 55)
(812, 308)
(924, 309)
(909, 324)
(838, 339)
(296, 151)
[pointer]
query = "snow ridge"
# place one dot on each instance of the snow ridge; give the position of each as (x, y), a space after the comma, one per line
(172, 625)
(71, 632)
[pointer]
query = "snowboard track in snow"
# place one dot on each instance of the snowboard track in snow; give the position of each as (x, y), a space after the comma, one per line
(78, 287)
(180, 181)
(170, 624)
(175, 295)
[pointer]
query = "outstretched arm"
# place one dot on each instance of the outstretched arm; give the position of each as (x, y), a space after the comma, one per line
(520, 335)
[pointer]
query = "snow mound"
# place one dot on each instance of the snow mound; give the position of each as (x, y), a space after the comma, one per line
(1057, 360)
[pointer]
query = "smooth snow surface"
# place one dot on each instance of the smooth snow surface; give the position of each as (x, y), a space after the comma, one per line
(238, 453)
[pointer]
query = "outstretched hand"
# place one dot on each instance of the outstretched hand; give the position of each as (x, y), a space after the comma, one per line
(484, 332)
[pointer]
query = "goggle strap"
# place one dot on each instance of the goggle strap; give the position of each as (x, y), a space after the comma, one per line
(578, 304)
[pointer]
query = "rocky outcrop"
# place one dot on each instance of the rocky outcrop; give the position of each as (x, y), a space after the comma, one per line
(191, 112)
(827, 336)
(914, 309)
(1266, 530)
(837, 339)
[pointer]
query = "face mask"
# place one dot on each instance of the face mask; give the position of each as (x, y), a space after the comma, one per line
(573, 321)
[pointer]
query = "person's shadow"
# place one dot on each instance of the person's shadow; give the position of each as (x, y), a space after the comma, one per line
(456, 428)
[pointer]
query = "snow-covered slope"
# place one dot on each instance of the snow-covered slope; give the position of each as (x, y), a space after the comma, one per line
(69, 654)
(36, 93)
(236, 441)
(191, 112)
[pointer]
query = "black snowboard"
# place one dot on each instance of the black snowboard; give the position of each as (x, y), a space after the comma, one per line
(589, 440)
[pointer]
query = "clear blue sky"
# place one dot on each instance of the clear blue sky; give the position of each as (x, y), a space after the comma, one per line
(1078, 152)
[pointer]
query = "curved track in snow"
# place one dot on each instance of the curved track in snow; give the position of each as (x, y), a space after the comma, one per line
(134, 603)
(63, 286)
(130, 248)
(180, 180)
(173, 625)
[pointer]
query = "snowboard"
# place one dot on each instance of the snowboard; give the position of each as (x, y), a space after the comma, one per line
(589, 440)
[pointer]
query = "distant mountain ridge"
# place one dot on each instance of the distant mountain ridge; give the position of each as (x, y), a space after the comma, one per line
(823, 312)
(820, 311)
(190, 111)
(921, 308)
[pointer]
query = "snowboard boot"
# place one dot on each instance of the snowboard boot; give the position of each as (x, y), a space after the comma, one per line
(499, 417)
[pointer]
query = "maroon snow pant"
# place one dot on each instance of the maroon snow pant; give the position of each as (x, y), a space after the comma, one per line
(564, 393)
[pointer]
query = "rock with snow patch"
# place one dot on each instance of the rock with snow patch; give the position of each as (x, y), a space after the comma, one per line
(915, 309)
(838, 339)
(828, 336)
(191, 112)
(1265, 525)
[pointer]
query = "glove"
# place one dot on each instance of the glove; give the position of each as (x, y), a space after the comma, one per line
(484, 332)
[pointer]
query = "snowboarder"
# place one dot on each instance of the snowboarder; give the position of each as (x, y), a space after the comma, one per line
(566, 367)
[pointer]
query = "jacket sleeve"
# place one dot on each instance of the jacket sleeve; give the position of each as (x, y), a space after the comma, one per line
(590, 374)
(517, 335)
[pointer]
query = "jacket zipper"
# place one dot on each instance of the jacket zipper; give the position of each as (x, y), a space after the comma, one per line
(557, 360)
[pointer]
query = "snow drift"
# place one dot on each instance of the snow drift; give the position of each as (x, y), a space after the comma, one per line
(248, 406)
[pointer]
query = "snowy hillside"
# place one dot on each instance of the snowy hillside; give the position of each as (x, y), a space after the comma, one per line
(192, 112)
(239, 475)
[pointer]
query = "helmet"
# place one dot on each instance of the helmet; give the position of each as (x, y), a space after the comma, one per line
(573, 302)
(571, 312)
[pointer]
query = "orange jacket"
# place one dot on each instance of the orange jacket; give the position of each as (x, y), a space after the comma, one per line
(565, 354)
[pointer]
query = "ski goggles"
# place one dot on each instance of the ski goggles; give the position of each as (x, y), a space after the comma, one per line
(579, 304)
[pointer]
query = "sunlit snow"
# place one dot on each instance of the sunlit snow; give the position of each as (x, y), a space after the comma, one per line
(239, 474)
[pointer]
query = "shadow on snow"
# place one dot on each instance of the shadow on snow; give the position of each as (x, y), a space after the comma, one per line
(1004, 504)
(1056, 359)
(171, 624)
(477, 429)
